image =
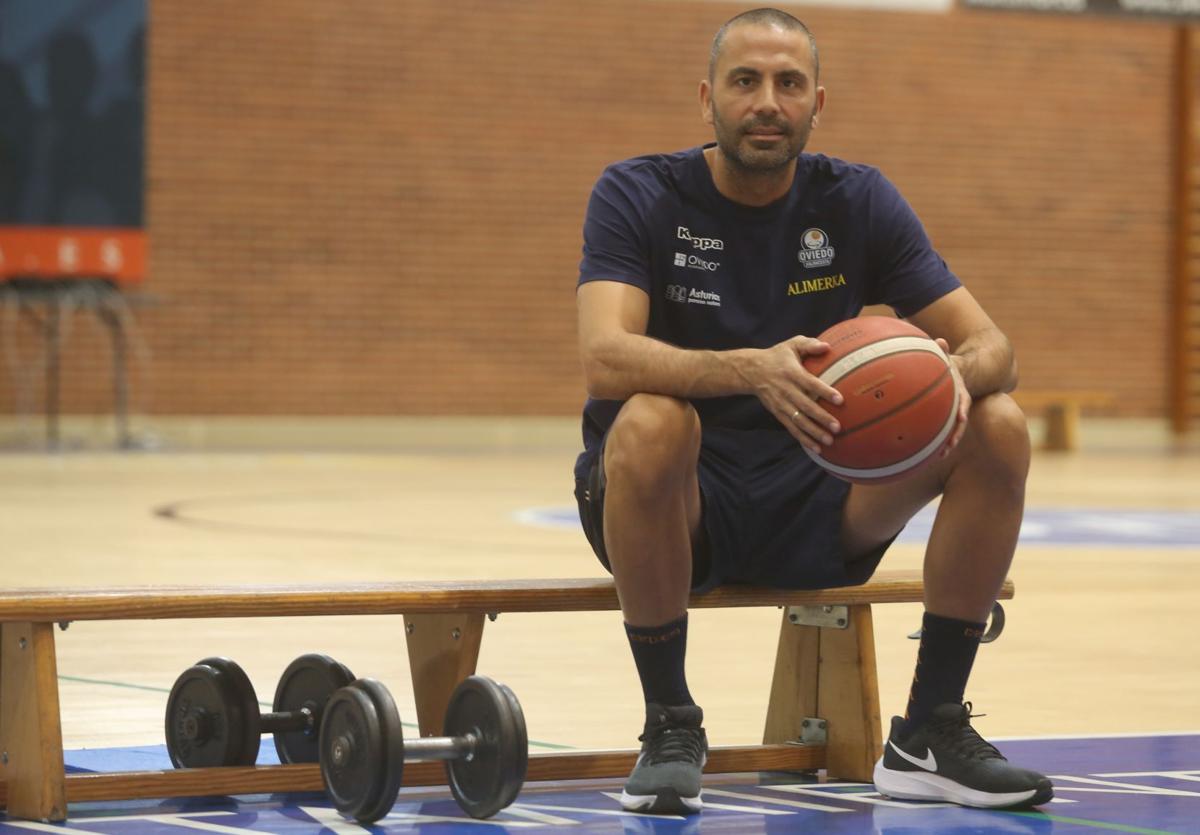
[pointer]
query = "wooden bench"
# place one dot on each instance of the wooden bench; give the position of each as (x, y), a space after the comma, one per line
(1061, 410)
(824, 671)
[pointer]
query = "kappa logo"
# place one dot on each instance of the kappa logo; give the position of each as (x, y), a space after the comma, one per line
(701, 244)
(815, 250)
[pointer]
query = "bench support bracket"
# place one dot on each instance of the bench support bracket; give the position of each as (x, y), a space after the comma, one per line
(443, 649)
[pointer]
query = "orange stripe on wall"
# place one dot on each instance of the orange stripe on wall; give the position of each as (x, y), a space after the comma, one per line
(72, 252)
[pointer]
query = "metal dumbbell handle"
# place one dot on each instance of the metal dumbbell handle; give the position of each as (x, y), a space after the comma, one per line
(441, 747)
(293, 720)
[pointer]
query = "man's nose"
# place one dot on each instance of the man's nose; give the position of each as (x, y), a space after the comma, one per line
(766, 102)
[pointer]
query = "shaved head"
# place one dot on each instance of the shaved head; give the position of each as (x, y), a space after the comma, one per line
(761, 17)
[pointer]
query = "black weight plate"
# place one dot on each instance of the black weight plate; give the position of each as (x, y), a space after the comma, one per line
(308, 682)
(250, 716)
(204, 722)
(350, 750)
(520, 762)
(359, 763)
(490, 779)
(393, 750)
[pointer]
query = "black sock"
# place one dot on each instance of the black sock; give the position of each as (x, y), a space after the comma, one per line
(658, 652)
(943, 665)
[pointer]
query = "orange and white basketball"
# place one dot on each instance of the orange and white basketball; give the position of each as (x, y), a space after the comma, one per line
(899, 398)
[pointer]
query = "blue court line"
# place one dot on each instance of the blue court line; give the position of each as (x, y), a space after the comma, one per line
(1113, 827)
(1096, 526)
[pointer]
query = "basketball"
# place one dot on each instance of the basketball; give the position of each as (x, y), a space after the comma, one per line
(899, 398)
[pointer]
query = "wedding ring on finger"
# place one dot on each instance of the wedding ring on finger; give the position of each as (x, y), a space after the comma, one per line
(795, 416)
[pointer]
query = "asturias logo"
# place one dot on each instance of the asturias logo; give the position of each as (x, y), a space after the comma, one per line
(815, 250)
(685, 295)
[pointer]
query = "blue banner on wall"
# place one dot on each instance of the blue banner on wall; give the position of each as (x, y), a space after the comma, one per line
(72, 113)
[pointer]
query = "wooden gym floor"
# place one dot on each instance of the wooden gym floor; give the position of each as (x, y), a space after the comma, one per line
(1101, 637)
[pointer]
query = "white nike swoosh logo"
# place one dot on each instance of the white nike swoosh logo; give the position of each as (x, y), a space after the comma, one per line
(928, 762)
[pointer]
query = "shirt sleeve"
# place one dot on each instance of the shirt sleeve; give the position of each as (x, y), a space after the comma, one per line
(615, 239)
(909, 274)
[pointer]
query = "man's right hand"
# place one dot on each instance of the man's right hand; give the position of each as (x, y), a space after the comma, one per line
(790, 392)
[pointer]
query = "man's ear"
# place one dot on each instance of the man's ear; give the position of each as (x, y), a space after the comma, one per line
(819, 106)
(706, 102)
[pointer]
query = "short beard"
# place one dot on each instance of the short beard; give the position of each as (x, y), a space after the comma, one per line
(760, 161)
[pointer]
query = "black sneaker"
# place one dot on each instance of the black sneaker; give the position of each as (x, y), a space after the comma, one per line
(946, 759)
(666, 778)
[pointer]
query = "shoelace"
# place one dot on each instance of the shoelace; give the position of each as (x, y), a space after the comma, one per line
(674, 745)
(964, 739)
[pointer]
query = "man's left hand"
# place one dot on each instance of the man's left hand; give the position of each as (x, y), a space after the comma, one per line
(964, 399)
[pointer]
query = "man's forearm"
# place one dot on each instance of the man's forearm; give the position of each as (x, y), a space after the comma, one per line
(986, 363)
(626, 364)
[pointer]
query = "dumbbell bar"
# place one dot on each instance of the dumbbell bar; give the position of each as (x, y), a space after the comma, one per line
(363, 750)
(213, 717)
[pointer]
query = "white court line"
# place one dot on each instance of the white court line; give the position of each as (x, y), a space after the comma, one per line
(725, 807)
(621, 813)
(872, 798)
(722, 806)
(1113, 787)
(778, 801)
(1091, 736)
(332, 820)
(176, 818)
(48, 827)
(179, 820)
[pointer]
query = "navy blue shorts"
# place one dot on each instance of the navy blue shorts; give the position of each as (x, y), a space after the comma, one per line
(770, 516)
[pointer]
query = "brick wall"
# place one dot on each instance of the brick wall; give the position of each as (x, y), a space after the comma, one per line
(375, 208)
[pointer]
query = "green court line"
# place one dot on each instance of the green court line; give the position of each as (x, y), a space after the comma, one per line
(127, 686)
(1115, 827)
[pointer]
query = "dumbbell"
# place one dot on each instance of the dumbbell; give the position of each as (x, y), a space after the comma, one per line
(363, 750)
(213, 717)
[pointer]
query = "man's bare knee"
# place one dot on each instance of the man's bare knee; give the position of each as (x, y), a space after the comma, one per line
(654, 441)
(998, 437)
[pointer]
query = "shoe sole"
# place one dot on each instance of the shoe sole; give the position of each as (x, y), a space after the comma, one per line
(666, 802)
(913, 785)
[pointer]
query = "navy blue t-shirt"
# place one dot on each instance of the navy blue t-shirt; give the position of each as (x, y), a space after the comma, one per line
(721, 275)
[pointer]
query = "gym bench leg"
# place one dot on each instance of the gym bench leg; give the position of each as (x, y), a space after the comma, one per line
(829, 673)
(30, 729)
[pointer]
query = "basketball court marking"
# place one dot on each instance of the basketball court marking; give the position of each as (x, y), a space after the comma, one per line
(1147, 784)
(1041, 526)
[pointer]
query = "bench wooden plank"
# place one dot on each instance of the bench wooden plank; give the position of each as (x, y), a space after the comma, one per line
(1040, 398)
(1061, 410)
(435, 597)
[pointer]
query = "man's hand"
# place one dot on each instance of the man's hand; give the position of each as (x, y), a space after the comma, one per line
(964, 399)
(779, 379)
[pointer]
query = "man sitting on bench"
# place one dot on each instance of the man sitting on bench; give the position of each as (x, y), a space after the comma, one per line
(694, 472)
